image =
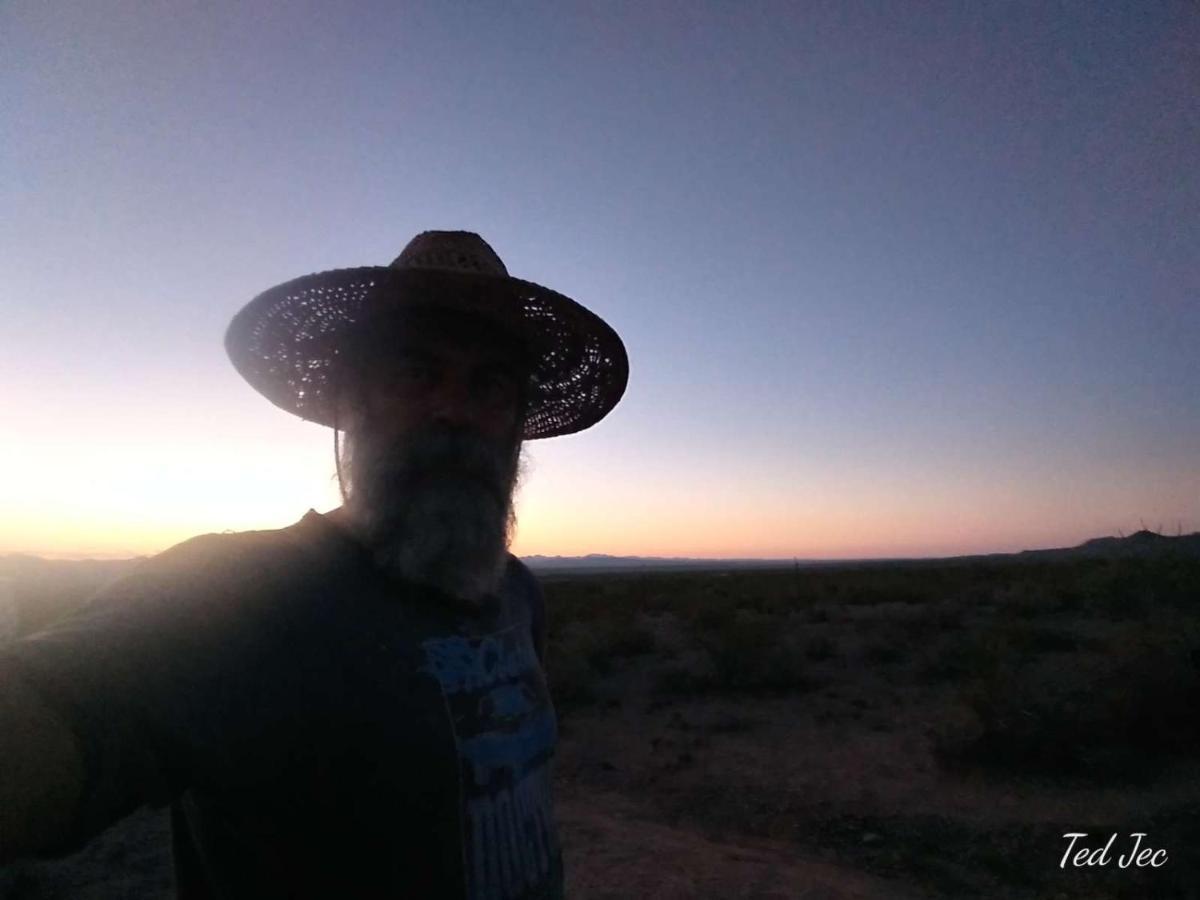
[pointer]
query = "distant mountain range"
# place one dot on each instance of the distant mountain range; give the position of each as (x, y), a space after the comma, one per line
(1139, 544)
(13, 565)
(602, 562)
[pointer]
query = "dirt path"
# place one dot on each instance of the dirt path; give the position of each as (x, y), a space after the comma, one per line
(611, 850)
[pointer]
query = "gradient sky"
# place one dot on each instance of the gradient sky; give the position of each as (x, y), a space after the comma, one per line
(894, 279)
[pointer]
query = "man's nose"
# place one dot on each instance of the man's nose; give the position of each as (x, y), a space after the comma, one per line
(452, 402)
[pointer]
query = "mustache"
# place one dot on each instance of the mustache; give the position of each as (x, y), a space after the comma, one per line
(435, 453)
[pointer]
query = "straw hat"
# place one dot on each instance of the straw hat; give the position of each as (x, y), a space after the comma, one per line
(287, 341)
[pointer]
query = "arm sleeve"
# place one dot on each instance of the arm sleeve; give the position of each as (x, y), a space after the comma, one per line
(136, 674)
(537, 604)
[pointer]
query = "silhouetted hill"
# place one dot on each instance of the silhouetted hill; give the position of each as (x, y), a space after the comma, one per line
(1139, 544)
(45, 589)
(20, 565)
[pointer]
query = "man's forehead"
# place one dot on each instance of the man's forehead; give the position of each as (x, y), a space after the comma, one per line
(448, 335)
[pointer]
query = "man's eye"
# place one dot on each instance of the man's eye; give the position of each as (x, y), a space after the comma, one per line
(498, 386)
(413, 371)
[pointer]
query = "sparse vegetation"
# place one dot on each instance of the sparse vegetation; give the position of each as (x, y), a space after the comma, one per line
(1048, 675)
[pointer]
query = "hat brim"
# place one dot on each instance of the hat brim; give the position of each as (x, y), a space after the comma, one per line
(286, 342)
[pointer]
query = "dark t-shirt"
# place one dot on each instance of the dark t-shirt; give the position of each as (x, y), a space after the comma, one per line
(317, 728)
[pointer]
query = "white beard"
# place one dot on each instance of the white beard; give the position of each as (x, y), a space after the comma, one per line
(436, 508)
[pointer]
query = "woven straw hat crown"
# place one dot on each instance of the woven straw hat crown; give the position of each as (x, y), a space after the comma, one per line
(450, 251)
(288, 341)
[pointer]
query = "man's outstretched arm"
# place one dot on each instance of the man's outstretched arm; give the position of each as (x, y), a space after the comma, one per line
(41, 774)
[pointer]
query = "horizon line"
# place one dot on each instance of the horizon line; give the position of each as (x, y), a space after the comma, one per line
(119, 557)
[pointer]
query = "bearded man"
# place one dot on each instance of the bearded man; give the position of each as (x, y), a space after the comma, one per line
(356, 704)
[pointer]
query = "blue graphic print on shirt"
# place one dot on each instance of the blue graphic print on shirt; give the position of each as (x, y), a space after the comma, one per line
(505, 732)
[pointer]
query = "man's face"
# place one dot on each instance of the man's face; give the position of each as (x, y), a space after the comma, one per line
(432, 376)
(433, 445)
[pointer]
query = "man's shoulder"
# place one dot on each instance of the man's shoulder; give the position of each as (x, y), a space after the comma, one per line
(216, 546)
(527, 588)
(523, 574)
(530, 590)
(251, 556)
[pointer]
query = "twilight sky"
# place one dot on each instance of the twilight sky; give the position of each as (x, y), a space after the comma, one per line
(894, 279)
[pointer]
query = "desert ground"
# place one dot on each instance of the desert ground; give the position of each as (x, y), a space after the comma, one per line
(873, 731)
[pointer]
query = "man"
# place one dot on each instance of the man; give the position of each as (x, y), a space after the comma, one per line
(354, 705)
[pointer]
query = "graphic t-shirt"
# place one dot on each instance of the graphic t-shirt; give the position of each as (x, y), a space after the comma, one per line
(318, 728)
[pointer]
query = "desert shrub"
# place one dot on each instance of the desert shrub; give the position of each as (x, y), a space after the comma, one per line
(711, 616)
(865, 596)
(883, 652)
(731, 724)
(770, 602)
(1025, 599)
(751, 654)
(948, 616)
(618, 638)
(821, 647)
(1123, 601)
(817, 615)
(1070, 597)
(946, 663)
(1008, 644)
(600, 661)
(1134, 588)
(22, 880)
(919, 628)
(977, 656)
(569, 601)
(730, 640)
(1113, 718)
(1179, 583)
(594, 598)
(589, 647)
(681, 679)
(571, 678)
(753, 602)
(1050, 640)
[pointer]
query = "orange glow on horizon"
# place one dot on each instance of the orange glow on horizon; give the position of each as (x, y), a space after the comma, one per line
(139, 493)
